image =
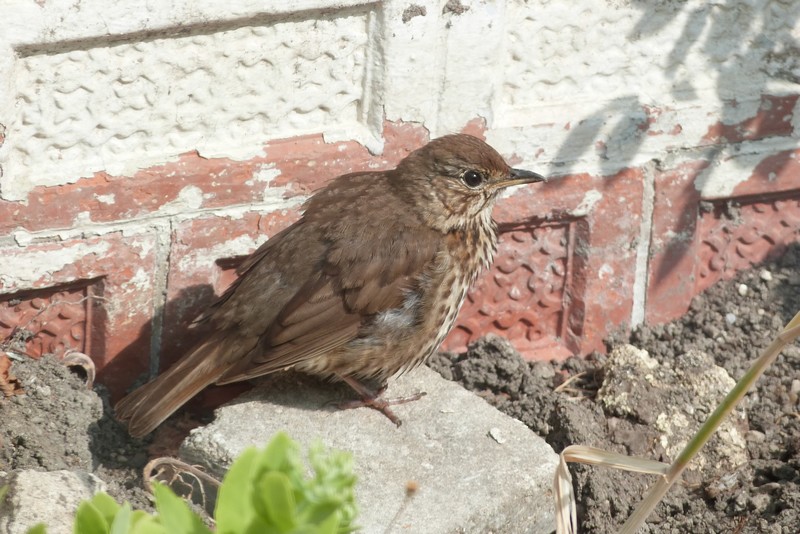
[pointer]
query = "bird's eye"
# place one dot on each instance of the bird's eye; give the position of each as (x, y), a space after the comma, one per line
(473, 178)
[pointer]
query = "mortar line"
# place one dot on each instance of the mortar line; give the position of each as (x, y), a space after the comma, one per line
(163, 251)
(643, 245)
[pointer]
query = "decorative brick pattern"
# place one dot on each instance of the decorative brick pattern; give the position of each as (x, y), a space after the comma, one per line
(98, 106)
(737, 234)
(523, 296)
(92, 294)
(48, 321)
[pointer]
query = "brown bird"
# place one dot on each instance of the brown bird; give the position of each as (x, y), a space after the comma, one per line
(364, 286)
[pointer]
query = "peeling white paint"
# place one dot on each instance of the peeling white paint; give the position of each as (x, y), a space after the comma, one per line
(605, 271)
(190, 197)
(158, 223)
(106, 199)
(733, 165)
(29, 268)
(82, 218)
(199, 260)
(139, 283)
(23, 238)
(341, 72)
(265, 174)
(587, 204)
(796, 119)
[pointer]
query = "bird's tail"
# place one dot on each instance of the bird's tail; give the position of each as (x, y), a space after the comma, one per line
(147, 407)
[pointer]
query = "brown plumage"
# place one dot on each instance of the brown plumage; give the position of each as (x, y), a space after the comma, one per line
(364, 286)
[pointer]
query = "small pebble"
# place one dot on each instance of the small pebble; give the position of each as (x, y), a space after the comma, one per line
(496, 435)
(794, 390)
(730, 318)
(769, 487)
(543, 370)
(742, 290)
(765, 275)
(760, 502)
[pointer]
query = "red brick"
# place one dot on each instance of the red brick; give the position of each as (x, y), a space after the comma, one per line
(736, 235)
(563, 277)
(671, 269)
(93, 295)
(305, 163)
(775, 174)
(773, 118)
(697, 240)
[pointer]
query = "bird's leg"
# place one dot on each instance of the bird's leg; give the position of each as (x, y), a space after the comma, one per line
(372, 398)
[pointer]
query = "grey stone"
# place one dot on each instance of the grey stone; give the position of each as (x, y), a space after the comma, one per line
(466, 479)
(676, 399)
(45, 497)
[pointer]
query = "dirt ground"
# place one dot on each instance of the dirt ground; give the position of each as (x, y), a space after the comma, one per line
(729, 324)
(61, 424)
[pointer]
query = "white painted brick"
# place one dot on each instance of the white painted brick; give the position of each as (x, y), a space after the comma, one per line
(223, 89)
(563, 85)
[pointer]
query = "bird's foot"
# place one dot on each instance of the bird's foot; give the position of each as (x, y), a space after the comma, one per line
(374, 400)
(382, 405)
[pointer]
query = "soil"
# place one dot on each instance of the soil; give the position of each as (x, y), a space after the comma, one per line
(731, 323)
(60, 424)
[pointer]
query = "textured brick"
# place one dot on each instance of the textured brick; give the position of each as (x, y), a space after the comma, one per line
(94, 293)
(563, 276)
(736, 234)
(699, 239)
(773, 118)
(671, 276)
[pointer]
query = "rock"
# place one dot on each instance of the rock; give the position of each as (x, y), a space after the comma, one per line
(676, 400)
(45, 497)
(476, 469)
(742, 289)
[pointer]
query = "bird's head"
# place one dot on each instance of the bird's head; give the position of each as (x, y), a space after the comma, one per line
(455, 179)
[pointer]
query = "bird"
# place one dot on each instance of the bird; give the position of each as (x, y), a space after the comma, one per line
(363, 287)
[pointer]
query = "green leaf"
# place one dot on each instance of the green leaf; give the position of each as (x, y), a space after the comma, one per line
(329, 525)
(122, 520)
(275, 494)
(37, 529)
(175, 515)
(234, 510)
(89, 520)
(106, 505)
(144, 523)
(318, 512)
(276, 455)
(139, 515)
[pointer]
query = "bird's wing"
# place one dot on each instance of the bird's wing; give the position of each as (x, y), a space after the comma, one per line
(358, 278)
(224, 313)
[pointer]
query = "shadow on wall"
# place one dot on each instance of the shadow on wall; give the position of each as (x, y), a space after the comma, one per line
(175, 339)
(716, 31)
(748, 46)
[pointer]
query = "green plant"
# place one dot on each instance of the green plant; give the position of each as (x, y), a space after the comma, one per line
(265, 491)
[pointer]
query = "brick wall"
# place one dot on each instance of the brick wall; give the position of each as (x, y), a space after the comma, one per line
(145, 147)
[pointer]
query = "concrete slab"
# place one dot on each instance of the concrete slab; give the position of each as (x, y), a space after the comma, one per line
(45, 497)
(475, 469)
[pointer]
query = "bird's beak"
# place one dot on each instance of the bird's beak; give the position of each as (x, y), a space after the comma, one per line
(520, 176)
